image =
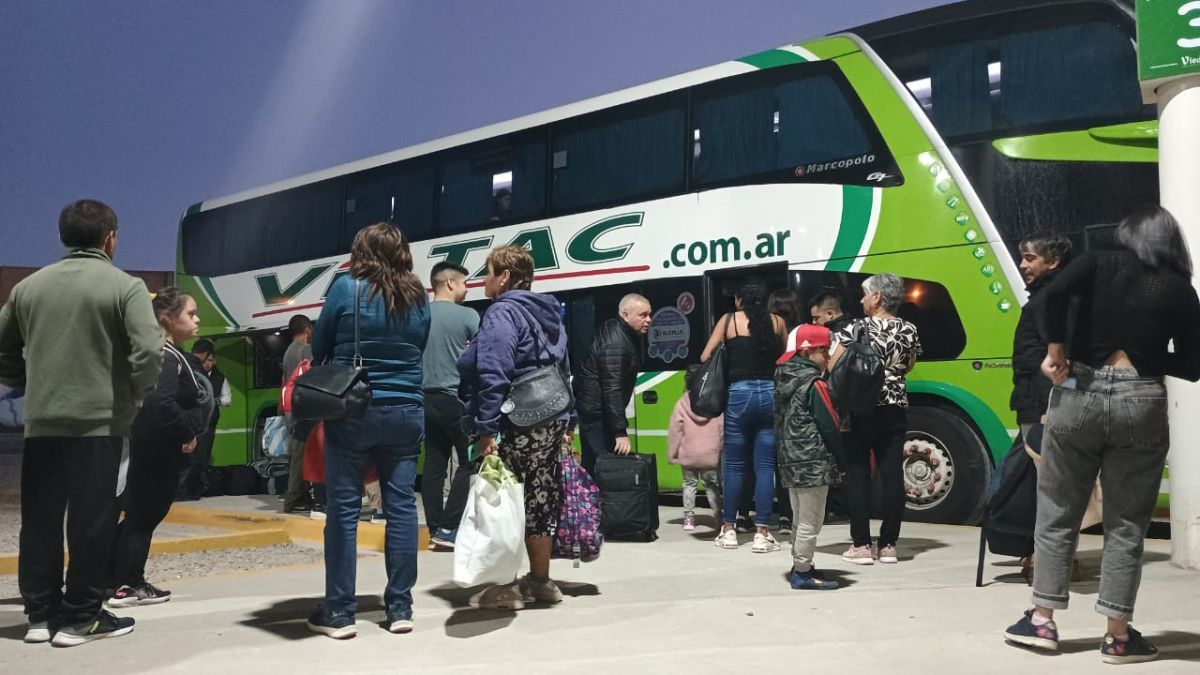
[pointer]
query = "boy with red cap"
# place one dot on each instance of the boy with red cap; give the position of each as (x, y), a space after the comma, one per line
(808, 443)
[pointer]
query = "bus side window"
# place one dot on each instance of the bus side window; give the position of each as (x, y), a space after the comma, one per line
(927, 304)
(403, 194)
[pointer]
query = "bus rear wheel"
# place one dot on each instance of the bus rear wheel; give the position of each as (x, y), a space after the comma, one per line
(945, 467)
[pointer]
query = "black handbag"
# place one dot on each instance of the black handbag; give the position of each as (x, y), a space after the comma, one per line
(708, 392)
(334, 391)
(540, 396)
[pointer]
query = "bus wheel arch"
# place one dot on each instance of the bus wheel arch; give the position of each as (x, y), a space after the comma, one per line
(946, 465)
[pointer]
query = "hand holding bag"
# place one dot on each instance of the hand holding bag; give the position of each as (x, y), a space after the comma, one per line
(709, 389)
(490, 546)
(334, 391)
(540, 396)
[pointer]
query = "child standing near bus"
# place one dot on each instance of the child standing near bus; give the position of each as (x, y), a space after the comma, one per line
(809, 445)
(694, 443)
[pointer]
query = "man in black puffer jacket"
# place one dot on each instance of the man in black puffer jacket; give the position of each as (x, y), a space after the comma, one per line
(605, 380)
(1042, 256)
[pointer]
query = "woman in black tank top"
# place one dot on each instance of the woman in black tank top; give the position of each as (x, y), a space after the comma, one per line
(753, 340)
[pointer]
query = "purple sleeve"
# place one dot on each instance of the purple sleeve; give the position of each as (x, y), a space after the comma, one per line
(495, 350)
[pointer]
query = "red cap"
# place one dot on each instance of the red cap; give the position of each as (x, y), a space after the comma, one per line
(804, 336)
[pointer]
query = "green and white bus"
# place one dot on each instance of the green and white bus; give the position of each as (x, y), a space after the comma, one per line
(925, 145)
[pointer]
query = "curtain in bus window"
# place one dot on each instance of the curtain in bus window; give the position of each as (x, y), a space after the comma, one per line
(242, 246)
(369, 199)
(466, 195)
(529, 180)
(202, 236)
(1085, 71)
(621, 158)
(816, 123)
(960, 91)
(304, 223)
(736, 135)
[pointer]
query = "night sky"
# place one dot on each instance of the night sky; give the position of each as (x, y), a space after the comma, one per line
(151, 106)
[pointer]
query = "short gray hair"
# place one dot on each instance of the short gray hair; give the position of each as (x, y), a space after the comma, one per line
(630, 300)
(890, 288)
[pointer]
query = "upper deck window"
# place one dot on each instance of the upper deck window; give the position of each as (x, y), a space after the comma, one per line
(784, 124)
(1033, 71)
(635, 151)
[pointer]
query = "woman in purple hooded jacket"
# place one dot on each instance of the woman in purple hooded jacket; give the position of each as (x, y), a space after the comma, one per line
(502, 351)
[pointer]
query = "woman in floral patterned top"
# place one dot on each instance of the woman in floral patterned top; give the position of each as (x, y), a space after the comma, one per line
(883, 429)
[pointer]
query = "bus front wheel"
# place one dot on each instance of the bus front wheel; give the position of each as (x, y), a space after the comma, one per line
(945, 466)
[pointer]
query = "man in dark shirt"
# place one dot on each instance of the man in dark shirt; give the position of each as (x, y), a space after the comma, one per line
(204, 361)
(1042, 256)
(826, 310)
(297, 499)
(606, 379)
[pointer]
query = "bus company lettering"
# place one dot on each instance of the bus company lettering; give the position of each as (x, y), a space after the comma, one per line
(819, 167)
(766, 245)
(583, 248)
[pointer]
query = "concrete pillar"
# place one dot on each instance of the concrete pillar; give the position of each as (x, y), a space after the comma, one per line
(1179, 183)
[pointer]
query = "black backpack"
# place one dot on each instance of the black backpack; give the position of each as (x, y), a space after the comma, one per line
(857, 378)
(1011, 512)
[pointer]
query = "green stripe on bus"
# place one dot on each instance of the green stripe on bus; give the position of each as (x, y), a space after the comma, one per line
(773, 58)
(212, 293)
(856, 216)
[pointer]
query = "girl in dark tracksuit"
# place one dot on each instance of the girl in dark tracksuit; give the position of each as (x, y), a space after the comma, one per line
(165, 430)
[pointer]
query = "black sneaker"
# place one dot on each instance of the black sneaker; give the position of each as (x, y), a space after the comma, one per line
(144, 594)
(336, 627)
(744, 525)
(105, 625)
(317, 512)
(1133, 649)
(1026, 634)
(785, 526)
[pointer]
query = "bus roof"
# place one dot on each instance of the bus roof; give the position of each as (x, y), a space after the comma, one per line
(970, 9)
(532, 120)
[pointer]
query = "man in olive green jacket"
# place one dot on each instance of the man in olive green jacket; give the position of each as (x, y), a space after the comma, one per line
(80, 336)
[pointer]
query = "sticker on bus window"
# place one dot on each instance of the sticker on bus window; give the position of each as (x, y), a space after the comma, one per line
(669, 335)
(686, 302)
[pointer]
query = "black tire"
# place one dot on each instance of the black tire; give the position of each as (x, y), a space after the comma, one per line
(943, 432)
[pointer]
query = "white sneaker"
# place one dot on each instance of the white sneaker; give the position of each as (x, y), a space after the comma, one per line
(38, 632)
(727, 539)
(764, 543)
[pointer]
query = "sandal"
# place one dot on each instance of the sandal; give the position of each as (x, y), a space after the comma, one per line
(500, 597)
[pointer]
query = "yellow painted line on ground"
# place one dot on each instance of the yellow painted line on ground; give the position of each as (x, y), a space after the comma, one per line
(370, 537)
(211, 542)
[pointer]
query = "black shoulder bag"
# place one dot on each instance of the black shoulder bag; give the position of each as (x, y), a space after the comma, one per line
(709, 389)
(539, 396)
(334, 391)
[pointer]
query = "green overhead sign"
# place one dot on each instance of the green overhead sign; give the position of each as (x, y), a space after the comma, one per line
(1168, 33)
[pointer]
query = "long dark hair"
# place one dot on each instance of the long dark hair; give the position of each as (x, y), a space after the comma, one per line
(786, 304)
(1153, 235)
(381, 256)
(753, 295)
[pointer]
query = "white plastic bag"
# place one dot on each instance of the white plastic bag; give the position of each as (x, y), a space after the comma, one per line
(490, 545)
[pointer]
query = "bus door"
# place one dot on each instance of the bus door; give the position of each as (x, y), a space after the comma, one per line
(721, 286)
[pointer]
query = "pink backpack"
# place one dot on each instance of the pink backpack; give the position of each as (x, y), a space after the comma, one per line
(578, 536)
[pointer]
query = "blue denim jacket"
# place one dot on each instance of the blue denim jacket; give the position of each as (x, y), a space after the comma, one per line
(391, 345)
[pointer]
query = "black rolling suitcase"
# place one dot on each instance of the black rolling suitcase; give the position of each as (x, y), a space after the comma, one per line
(628, 496)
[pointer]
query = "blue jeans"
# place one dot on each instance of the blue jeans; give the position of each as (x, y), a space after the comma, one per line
(389, 436)
(750, 438)
(1113, 423)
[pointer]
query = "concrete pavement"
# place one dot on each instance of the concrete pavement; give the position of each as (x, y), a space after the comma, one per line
(676, 605)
